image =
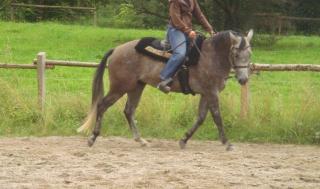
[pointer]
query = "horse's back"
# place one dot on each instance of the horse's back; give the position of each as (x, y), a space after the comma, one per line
(128, 66)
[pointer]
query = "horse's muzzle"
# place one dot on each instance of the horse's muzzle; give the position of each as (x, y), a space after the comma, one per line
(243, 81)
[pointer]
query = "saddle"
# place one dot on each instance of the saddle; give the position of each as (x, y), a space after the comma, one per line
(160, 50)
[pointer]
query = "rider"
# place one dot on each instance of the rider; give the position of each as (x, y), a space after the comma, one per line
(179, 30)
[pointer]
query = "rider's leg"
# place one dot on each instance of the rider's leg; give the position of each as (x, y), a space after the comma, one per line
(178, 41)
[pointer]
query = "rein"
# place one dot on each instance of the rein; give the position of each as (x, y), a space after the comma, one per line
(198, 49)
(232, 55)
(234, 66)
(172, 49)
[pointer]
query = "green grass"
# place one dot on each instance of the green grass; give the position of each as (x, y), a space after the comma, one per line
(284, 107)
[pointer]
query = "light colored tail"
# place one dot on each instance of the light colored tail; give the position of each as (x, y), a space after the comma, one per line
(97, 95)
(90, 120)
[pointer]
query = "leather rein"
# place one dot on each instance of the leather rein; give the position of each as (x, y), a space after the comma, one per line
(232, 55)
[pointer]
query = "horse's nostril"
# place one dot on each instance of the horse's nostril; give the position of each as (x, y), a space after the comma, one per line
(243, 81)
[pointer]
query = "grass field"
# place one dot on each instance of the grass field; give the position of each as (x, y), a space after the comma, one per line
(284, 107)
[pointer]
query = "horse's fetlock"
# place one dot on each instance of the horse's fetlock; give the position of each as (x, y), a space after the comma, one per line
(182, 144)
(224, 140)
(188, 135)
(96, 133)
(91, 140)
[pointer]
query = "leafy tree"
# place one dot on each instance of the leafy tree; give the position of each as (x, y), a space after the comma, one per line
(127, 17)
(222, 14)
(310, 9)
(154, 12)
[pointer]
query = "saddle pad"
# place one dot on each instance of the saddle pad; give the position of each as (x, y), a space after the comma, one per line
(152, 47)
(147, 46)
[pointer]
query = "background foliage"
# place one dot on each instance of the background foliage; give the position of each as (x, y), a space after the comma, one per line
(223, 14)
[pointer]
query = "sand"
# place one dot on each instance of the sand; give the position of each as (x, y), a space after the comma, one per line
(114, 162)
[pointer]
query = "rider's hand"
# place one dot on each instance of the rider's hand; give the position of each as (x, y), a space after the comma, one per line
(212, 33)
(192, 35)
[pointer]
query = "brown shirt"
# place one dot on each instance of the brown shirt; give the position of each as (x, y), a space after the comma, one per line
(181, 12)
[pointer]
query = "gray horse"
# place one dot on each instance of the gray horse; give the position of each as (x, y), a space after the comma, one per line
(130, 71)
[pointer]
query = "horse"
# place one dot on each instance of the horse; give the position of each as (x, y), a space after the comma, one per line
(130, 72)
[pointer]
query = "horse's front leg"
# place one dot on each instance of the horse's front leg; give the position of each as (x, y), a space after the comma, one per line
(202, 113)
(214, 107)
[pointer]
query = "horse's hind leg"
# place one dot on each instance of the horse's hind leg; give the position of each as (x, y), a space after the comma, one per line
(202, 113)
(131, 105)
(104, 104)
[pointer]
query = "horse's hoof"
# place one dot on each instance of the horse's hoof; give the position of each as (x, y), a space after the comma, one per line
(229, 147)
(142, 142)
(91, 141)
(182, 144)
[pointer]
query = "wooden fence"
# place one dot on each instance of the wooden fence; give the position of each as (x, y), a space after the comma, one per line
(279, 19)
(41, 64)
(93, 10)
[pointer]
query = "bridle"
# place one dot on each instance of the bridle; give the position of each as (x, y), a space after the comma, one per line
(232, 58)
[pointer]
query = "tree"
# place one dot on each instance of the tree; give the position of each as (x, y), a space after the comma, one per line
(310, 9)
(154, 12)
(231, 9)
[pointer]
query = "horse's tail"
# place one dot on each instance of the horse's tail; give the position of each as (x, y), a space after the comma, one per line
(97, 94)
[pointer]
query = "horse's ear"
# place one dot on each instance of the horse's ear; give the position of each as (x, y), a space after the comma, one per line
(250, 35)
(235, 41)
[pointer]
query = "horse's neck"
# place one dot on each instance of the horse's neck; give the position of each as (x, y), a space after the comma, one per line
(218, 56)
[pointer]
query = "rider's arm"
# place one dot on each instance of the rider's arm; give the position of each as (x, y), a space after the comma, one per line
(175, 16)
(201, 18)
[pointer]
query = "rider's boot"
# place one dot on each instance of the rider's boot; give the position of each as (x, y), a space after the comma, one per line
(163, 85)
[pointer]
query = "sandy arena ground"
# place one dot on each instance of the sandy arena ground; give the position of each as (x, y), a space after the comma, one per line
(59, 162)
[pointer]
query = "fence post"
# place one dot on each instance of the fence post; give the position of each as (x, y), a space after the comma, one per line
(12, 13)
(279, 26)
(244, 100)
(41, 67)
(95, 17)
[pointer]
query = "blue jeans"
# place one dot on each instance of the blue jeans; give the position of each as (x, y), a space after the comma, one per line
(178, 41)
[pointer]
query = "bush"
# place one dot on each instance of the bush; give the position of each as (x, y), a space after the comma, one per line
(265, 41)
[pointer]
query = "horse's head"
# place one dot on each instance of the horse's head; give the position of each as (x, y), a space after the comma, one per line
(240, 54)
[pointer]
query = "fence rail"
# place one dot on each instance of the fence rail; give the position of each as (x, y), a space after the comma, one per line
(280, 18)
(91, 9)
(23, 66)
(69, 63)
(52, 7)
(41, 64)
(285, 67)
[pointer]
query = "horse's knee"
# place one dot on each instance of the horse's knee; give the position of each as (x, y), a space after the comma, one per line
(127, 112)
